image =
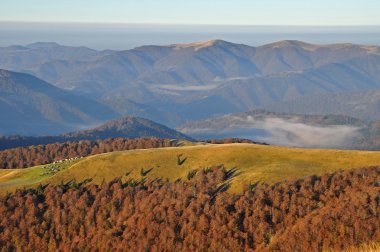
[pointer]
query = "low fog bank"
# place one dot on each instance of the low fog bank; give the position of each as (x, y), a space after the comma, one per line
(277, 131)
(282, 132)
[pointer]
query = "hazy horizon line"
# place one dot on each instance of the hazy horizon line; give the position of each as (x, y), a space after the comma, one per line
(184, 24)
(195, 41)
(123, 36)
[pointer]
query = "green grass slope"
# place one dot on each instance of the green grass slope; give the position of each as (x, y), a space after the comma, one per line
(254, 163)
(11, 179)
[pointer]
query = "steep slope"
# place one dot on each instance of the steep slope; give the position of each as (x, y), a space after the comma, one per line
(30, 106)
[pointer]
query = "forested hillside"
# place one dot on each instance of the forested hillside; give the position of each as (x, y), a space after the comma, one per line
(317, 213)
(23, 157)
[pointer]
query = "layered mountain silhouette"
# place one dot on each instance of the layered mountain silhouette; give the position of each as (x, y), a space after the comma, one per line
(30, 106)
(47, 60)
(181, 82)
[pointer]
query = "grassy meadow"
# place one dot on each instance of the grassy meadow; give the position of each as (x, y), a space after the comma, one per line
(255, 163)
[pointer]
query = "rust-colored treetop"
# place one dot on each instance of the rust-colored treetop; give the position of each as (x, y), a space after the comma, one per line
(318, 213)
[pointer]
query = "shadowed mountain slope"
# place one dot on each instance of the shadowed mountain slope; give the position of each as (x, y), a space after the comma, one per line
(30, 106)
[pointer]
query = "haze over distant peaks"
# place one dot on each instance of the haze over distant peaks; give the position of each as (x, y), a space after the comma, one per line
(202, 44)
(197, 80)
(292, 43)
(43, 45)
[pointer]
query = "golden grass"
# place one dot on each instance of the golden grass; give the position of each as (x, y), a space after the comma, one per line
(255, 163)
(12, 179)
(16, 178)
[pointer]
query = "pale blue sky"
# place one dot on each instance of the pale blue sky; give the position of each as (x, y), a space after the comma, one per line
(233, 12)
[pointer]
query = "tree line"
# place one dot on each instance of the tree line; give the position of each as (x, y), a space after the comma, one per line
(29, 156)
(317, 213)
(23, 157)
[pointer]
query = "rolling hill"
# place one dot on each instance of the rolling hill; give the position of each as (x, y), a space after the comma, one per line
(127, 127)
(124, 127)
(253, 162)
(30, 106)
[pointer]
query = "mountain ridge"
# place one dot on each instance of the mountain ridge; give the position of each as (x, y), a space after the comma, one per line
(177, 79)
(32, 106)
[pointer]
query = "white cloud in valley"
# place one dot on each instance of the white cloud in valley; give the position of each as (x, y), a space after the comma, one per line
(279, 131)
(284, 132)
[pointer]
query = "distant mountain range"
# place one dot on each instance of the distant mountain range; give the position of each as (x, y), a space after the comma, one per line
(315, 131)
(30, 106)
(48, 61)
(125, 127)
(175, 83)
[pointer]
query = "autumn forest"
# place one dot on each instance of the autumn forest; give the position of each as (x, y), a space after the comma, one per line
(333, 211)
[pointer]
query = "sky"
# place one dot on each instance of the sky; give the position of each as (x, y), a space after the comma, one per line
(213, 12)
